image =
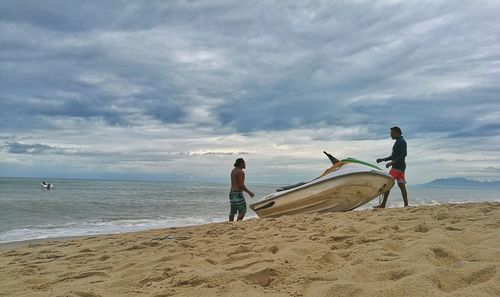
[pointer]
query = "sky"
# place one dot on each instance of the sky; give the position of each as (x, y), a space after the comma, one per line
(177, 90)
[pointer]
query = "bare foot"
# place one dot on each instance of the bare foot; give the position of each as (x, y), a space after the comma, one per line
(379, 206)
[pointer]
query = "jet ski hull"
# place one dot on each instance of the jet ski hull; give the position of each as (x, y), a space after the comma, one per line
(342, 191)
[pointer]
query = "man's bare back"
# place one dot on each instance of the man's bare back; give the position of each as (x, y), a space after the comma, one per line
(237, 180)
(236, 198)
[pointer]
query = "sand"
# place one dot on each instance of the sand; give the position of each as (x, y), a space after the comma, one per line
(449, 250)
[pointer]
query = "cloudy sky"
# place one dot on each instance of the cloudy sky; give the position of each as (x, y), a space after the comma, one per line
(176, 90)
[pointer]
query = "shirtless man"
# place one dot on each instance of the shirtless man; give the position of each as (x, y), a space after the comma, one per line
(236, 198)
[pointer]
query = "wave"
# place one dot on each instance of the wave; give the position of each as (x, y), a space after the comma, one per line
(98, 227)
(114, 226)
(422, 202)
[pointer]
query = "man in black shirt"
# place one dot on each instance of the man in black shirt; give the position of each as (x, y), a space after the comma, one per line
(398, 165)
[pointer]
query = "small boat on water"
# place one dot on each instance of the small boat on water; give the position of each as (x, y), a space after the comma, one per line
(346, 185)
(46, 186)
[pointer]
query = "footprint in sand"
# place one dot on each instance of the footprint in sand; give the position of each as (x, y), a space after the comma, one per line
(388, 257)
(443, 256)
(154, 278)
(263, 277)
(274, 249)
(394, 275)
(452, 280)
(422, 228)
(186, 279)
(363, 239)
(71, 276)
(213, 262)
(339, 238)
(319, 289)
(135, 247)
(388, 228)
(315, 237)
(331, 259)
(349, 230)
(104, 258)
(239, 250)
(442, 216)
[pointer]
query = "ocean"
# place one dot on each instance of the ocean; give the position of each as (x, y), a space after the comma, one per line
(91, 207)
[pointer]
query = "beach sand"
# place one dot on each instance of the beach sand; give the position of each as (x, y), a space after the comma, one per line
(448, 250)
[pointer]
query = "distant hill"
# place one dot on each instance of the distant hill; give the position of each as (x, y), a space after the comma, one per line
(460, 182)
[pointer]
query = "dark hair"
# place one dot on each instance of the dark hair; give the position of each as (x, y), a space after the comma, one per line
(397, 129)
(238, 162)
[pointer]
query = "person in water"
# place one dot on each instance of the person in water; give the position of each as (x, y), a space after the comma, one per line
(236, 198)
(398, 164)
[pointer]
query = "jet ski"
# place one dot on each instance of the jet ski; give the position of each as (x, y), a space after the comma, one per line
(46, 186)
(346, 185)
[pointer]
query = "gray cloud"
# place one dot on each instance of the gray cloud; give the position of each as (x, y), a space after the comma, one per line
(222, 153)
(32, 149)
(18, 148)
(343, 71)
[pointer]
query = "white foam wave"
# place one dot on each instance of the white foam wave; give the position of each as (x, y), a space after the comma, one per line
(99, 227)
(429, 202)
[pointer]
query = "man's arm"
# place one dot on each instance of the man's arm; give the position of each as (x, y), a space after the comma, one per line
(242, 183)
(384, 159)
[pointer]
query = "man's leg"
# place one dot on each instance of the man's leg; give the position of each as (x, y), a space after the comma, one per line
(384, 201)
(231, 213)
(404, 193)
(241, 215)
(242, 210)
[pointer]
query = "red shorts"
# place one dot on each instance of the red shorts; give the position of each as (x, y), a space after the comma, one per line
(399, 176)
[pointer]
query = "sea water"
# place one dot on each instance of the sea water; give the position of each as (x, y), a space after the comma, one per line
(90, 207)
